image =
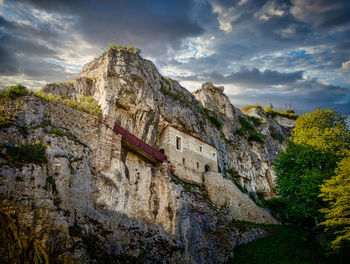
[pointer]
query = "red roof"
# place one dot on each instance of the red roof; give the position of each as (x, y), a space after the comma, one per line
(139, 144)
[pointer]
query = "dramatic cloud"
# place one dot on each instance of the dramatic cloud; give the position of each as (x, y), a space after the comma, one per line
(346, 65)
(280, 51)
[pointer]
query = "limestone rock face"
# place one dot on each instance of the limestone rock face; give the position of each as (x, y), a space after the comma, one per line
(94, 201)
(132, 92)
(69, 210)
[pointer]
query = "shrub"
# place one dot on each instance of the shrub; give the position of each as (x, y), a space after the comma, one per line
(128, 48)
(214, 120)
(256, 136)
(286, 113)
(27, 153)
(84, 103)
(17, 91)
(57, 132)
(245, 124)
(256, 121)
(248, 107)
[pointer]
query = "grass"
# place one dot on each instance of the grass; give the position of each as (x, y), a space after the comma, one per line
(271, 112)
(27, 153)
(57, 132)
(284, 245)
(284, 113)
(84, 103)
(248, 107)
(129, 48)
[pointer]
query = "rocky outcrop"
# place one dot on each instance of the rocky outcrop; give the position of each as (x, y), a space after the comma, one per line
(94, 201)
(132, 92)
(69, 211)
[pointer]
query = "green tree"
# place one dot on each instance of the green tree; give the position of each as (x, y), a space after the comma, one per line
(336, 192)
(324, 129)
(300, 170)
(317, 144)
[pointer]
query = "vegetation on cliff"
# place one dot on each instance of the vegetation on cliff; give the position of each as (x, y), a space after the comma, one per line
(83, 103)
(271, 112)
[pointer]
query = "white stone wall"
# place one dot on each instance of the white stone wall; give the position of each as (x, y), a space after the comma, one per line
(192, 157)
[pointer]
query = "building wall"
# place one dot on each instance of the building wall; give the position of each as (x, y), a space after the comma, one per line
(192, 157)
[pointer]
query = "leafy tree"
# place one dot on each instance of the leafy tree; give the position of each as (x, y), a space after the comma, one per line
(324, 129)
(17, 91)
(317, 144)
(300, 170)
(336, 191)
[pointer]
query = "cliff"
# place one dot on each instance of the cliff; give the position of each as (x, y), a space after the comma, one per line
(95, 201)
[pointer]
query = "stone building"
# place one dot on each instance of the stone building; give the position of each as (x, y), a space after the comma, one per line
(190, 156)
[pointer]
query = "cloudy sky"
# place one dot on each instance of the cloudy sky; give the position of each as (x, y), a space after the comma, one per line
(294, 52)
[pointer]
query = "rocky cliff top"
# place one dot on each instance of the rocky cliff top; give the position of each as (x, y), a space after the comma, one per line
(134, 95)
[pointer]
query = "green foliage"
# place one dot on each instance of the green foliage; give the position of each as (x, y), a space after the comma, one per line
(243, 189)
(57, 132)
(215, 121)
(84, 103)
(270, 111)
(324, 129)
(27, 153)
(285, 245)
(248, 107)
(16, 91)
(128, 48)
(319, 141)
(256, 136)
(300, 170)
(245, 124)
(336, 192)
(256, 121)
(247, 129)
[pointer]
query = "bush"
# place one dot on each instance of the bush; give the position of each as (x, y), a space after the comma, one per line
(286, 113)
(27, 153)
(84, 103)
(256, 136)
(256, 121)
(17, 91)
(214, 120)
(248, 107)
(57, 132)
(245, 124)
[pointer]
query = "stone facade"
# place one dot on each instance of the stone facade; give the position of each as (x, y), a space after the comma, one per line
(190, 156)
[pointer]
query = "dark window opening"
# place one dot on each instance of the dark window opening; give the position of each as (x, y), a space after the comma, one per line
(178, 143)
(161, 151)
(207, 168)
(200, 149)
(197, 165)
(183, 161)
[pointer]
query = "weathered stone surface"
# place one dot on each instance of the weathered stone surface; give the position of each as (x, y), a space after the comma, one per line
(96, 202)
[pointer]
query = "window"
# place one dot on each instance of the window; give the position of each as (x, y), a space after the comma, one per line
(197, 165)
(213, 154)
(200, 149)
(178, 143)
(183, 161)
